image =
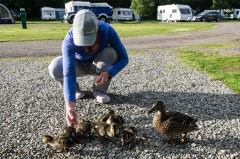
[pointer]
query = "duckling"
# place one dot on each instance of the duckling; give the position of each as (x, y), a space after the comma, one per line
(69, 129)
(172, 123)
(104, 129)
(63, 141)
(83, 128)
(113, 118)
(128, 135)
(103, 118)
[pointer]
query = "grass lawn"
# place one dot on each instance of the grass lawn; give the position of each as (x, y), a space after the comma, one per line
(56, 30)
(220, 60)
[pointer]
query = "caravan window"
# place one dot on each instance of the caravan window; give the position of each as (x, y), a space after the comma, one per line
(174, 11)
(75, 9)
(185, 11)
(48, 13)
(160, 11)
(126, 13)
(119, 12)
(164, 11)
(4, 12)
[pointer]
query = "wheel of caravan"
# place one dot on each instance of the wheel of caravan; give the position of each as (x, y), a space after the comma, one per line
(218, 20)
(71, 20)
(203, 20)
(102, 18)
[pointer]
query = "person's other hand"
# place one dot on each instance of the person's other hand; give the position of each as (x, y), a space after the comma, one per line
(102, 79)
(71, 115)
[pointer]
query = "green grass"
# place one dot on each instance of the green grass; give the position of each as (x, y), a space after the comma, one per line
(215, 60)
(56, 30)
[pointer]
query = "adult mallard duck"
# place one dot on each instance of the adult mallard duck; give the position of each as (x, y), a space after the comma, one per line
(172, 123)
(128, 135)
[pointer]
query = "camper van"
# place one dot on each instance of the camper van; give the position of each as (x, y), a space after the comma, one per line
(48, 13)
(174, 12)
(123, 14)
(103, 11)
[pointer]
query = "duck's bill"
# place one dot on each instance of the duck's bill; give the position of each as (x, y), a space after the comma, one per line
(150, 111)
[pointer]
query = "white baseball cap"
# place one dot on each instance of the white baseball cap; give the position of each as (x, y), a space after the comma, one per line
(85, 26)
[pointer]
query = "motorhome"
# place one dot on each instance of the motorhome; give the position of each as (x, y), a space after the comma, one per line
(48, 13)
(174, 12)
(123, 14)
(103, 11)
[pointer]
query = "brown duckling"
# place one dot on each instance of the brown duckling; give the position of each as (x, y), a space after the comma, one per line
(103, 118)
(63, 141)
(84, 128)
(114, 118)
(69, 129)
(104, 129)
(172, 123)
(128, 135)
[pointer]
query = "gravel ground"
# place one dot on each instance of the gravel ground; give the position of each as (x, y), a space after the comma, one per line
(32, 105)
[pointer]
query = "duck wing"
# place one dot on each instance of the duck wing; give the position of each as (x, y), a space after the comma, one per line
(177, 122)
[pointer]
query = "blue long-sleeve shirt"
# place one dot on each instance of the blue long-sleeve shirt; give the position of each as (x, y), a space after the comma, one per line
(70, 52)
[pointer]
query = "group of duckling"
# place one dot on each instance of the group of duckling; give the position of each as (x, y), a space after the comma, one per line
(170, 123)
(108, 125)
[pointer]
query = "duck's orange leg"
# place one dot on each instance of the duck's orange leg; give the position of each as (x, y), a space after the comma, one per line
(184, 138)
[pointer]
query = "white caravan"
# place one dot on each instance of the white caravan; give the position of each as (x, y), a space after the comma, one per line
(48, 13)
(122, 14)
(174, 12)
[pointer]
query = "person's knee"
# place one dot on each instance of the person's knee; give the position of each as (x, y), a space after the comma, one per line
(55, 68)
(109, 53)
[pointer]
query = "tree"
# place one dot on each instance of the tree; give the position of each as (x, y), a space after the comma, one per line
(143, 7)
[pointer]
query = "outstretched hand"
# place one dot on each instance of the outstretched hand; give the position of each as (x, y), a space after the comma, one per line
(102, 79)
(71, 115)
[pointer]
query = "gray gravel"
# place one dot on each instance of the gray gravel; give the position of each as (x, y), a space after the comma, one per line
(32, 105)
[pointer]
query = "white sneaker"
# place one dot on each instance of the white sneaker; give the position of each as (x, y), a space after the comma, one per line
(79, 94)
(101, 97)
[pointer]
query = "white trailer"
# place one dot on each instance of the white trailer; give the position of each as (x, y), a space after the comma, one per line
(48, 13)
(123, 14)
(174, 12)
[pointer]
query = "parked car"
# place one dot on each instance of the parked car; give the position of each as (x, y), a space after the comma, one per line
(15, 14)
(208, 16)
